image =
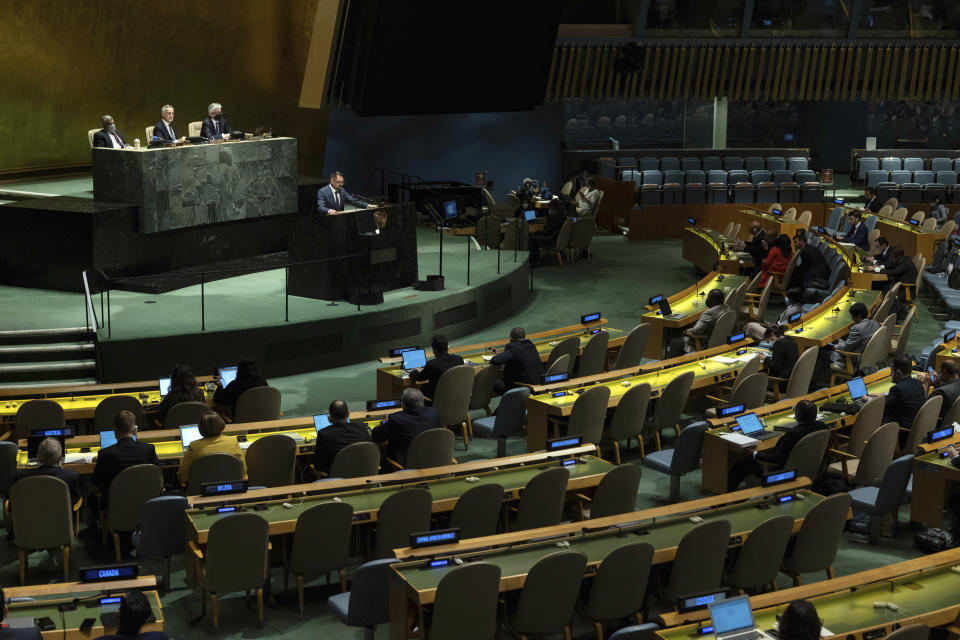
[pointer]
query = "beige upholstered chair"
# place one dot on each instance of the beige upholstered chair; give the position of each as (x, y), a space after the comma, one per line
(194, 128)
(90, 136)
(149, 132)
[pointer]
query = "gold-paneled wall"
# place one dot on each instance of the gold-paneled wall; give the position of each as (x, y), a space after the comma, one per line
(758, 71)
(64, 63)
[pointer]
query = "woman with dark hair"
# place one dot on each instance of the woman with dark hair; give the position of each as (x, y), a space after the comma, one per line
(799, 621)
(248, 377)
(183, 388)
(777, 259)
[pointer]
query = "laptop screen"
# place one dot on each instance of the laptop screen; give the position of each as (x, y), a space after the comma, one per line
(415, 358)
(321, 421)
(164, 386)
(227, 375)
(749, 423)
(188, 434)
(664, 307)
(109, 438)
(530, 215)
(450, 209)
(731, 615)
(857, 388)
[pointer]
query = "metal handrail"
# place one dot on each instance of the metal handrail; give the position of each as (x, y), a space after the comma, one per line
(89, 309)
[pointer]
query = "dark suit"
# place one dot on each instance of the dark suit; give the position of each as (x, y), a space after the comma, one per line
(812, 270)
(903, 401)
(950, 392)
(902, 271)
(859, 236)
(783, 357)
(72, 478)
(228, 396)
(433, 370)
(885, 258)
(334, 438)
(776, 456)
(160, 131)
(20, 634)
(402, 427)
(327, 201)
(114, 459)
(873, 204)
(521, 363)
(102, 139)
(211, 129)
(755, 248)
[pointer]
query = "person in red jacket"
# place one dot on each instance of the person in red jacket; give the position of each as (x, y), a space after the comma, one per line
(777, 259)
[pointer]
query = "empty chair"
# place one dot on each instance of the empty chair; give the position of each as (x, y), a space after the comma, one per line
(649, 194)
(321, 544)
(672, 176)
(645, 631)
(913, 164)
(570, 347)
(627, 161)
(669, 163)
(129, 491)
(587, 414)
(911, 632)
(694, 176)
(431, 448)
(402, 513)
(815, 545)
(488, 226)
(669, 407)
(759, 175)
(619, 585)
(890, 163)
(941, 164)
(109, 407)
(797, 163)
(782, 175)
(776, 163)
(924, 422)
(744, 192)
(561, 246)
(629, 418)
(649, 164)
(876, 177)
(633, 347)
(466, 603)
(876, 454)
(477, 512)
(948, 178)
(235, 559)
(737, 175)
(760, 556)
(38, 414)
(803, 176)
(356, 460)
(885, 499)
(753, 163)
(689, 164)
(549, 594)
(560, 365)
(617, 492)
(271, 460)
(652, 176)
(717, 193)
(900, 176)
(731, 163)
(748, 390)
(367, 604)
(711, 163)
(581, 236)
(789, 192)
(451, 400)
(42, 518)
(717, 176)
(184, 413)
(507, 422)
(685, 457)
(213, 467)
(593, 358)
(867, 165)
(258, 404)
(162, 531)
(807, 455)
(868, 420)
(541, 503)
(698, 563)
(923, 177)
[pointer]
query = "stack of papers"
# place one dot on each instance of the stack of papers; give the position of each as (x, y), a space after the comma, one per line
(78, 457)
(739, 439)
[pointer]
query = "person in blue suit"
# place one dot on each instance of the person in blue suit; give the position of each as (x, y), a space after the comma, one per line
(164, 127)
(858, 233)
(331, 198)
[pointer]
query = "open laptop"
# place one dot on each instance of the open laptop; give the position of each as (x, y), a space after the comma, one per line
(164, 386)
(109, 438)
(413, 359)
(227, 374)
(858, 390)
(530, 216)
(733, 620)
(667, 312)
(321, 421)
(189, 433)
(751, 426)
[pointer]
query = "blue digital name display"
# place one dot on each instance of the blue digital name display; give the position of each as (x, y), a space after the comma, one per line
(706, 630)
(737, 337)
(559, 394)
(594, 332)
(50, 433)
(941, 434)
(564, 443)
(705, 600)
(590, 317)
(949, 335)
(795, 317)
(783, 499)
(226, 509)
(656, 299)
(106, 602)
(569, 463)
(436, 538)
(556, 377)
(396, 351)
(436, 564)
(778, 477)
(116, 572)
(731, 410)
(691, 221)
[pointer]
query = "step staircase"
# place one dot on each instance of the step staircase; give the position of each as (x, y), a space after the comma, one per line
(42, 357)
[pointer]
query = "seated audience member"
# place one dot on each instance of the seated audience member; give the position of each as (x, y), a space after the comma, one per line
(248, 377)
(442, 360)
(163, 130)
(905, 397)
(183, 388)
(134, 612)
(904, 271)
(341, 433)
(884, 257)
(716, 307)
(799, 621)
(939, 211)
(784, 354)
(805, 413)
(777, 260)
(873, 203)
(127, 452)
(860, 333)
(109, 137)
(858, 234)
(756, 246)
(49, 459)
(520, 360)
(538, 240)
(403, 426)
(811, 271)
(947, 385)
(212, 441)
(589, 200)
(214, 126)
(6, 633)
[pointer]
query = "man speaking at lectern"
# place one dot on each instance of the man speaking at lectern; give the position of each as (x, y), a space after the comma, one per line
(331, 198)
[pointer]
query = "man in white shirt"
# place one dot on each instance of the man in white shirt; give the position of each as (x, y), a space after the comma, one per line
(164, 128)
(109, 137)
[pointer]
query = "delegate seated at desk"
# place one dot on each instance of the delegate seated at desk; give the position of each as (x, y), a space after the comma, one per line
(520, 360)
(442, 360)
(331, 198)
(134, 612)
(109, 137)
(215, 126)
(858, 234)
(403, 426)
(127, 452)
(946, 385)
(341, 433)
(50, 457)
(211, 427)
(163, 130)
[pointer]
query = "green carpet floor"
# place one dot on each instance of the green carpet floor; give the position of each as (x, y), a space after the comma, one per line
(621, 276)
